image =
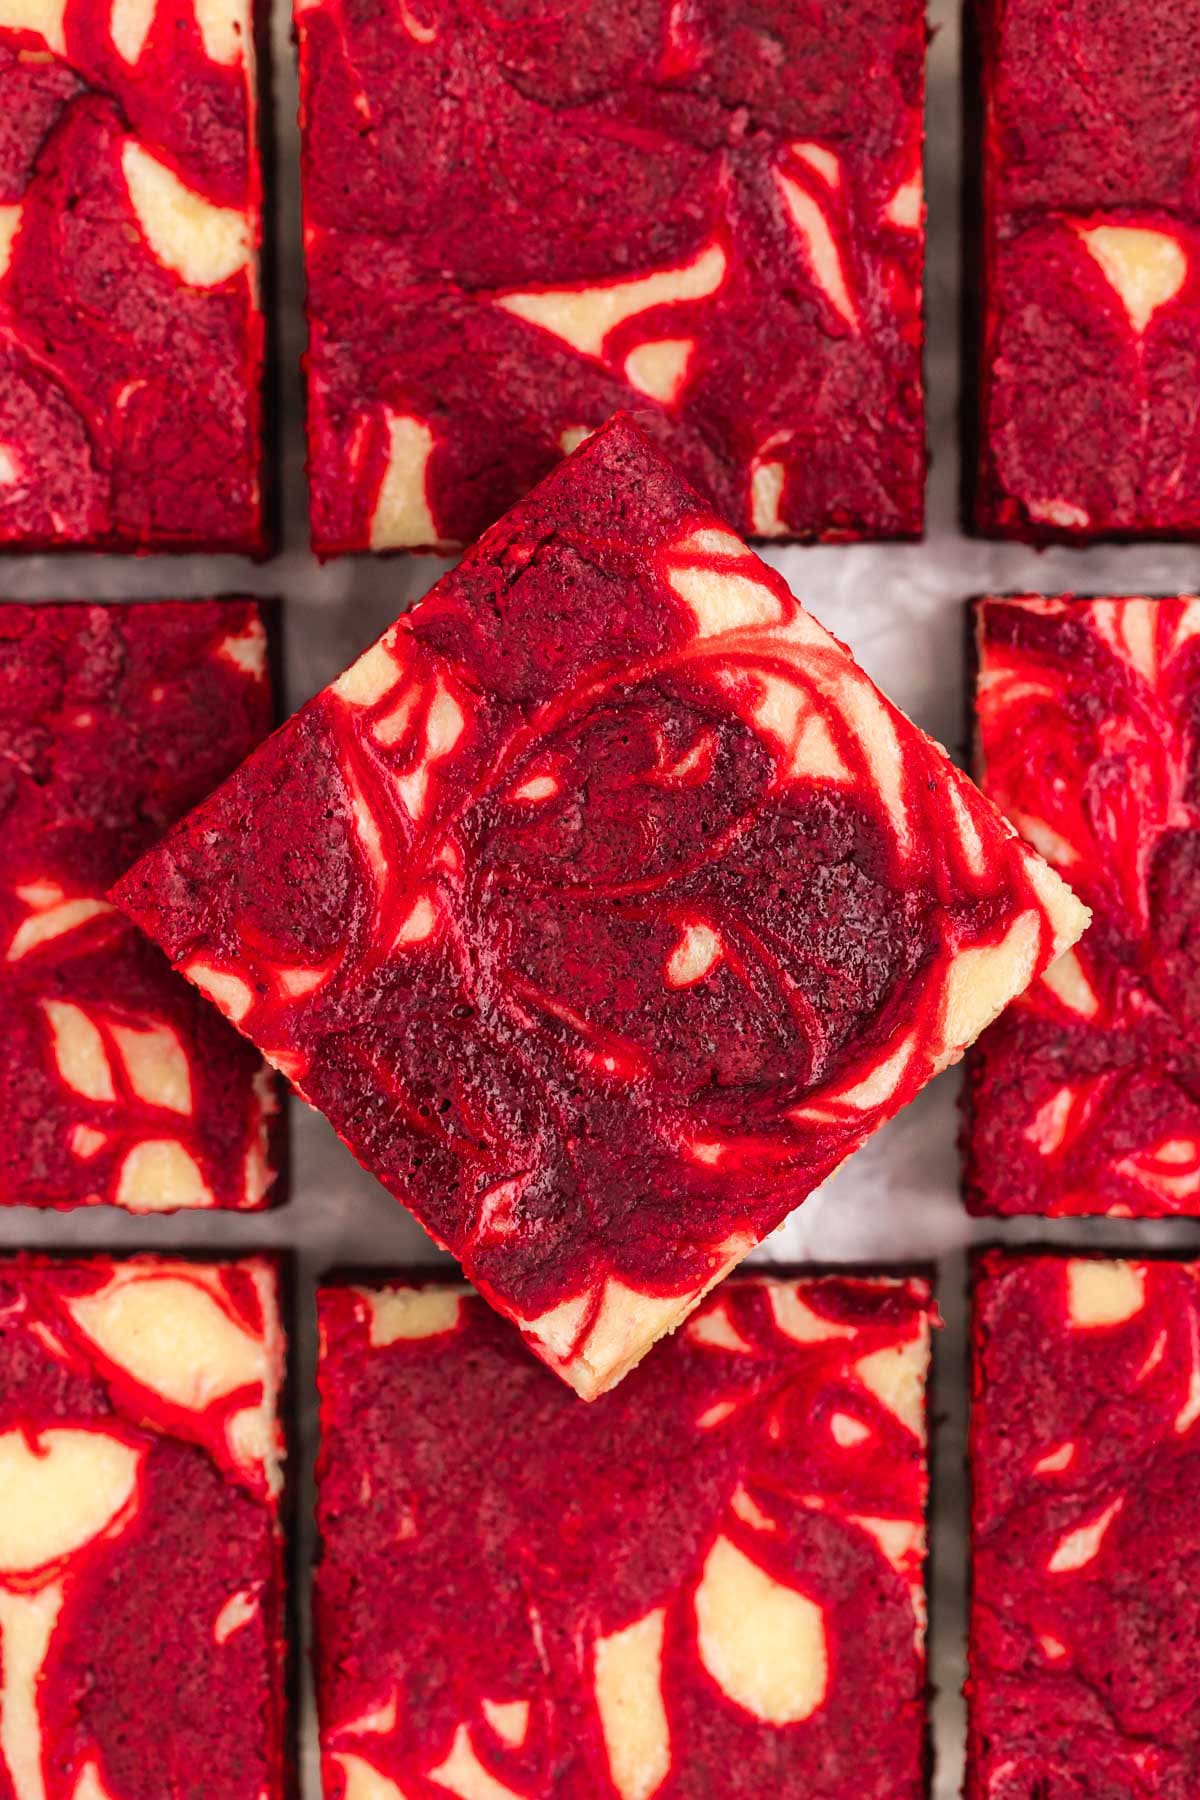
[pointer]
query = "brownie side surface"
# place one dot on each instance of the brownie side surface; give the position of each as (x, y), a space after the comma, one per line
(119, 1084)
(714, 1573)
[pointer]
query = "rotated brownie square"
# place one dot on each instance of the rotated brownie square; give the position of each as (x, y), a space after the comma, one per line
(604, 906)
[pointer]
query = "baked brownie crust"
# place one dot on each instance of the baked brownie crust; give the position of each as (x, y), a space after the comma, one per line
(1084, 1461)
(604, 906)
(520, 222)
(141, 1583)
(712, 1576)
(131, 336)
(1085, 1096)
(118, 1083)
(1091, 272)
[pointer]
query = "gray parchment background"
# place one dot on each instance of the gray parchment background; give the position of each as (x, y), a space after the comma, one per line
(899, 609)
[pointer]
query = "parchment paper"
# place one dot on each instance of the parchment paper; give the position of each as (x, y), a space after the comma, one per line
(900, 609)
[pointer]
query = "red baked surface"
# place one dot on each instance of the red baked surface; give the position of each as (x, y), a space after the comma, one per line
(1085, 1096)
(117, 1080)
(486, 1541)
(129, 379)
(141, 1578)
(762, 160)
(604, 906)
(1086, 1540)
(1087, 426)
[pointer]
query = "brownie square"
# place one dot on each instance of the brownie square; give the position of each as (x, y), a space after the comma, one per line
(519, 222)
(131, 331)
(1085, 1096)
(604, 906)
(1083, 1448)
(118, 1082)
(709, 1582)
(1089, 264)
(141, 1568)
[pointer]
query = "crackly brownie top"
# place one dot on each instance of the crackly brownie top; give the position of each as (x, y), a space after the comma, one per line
(1088, 1091)
(1089, 108)
(129, 199)
(114, 721)
(1091, 196)
(1087, 1531)
(714, 212)
(712, 1575)
(139, 1464)
(1093, 333)
(604, 904)
(117, 1085)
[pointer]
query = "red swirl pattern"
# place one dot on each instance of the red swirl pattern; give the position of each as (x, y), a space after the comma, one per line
(517, 1596)
(131, 331)
(604, 906)
(1082, 434)
(1084, 1458)
(141, 1567)
(1085, 1097)
(118, 1085)
(711, 213)
(1089, 268)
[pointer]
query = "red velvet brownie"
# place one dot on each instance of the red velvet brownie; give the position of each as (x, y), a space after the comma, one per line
(520, 220)
(709, 1583)
(1090, 326)
(131, 335)
(1084, 1457)
(118, 1083)
(604, 906)
(141, 1577)
(1085, 1096)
